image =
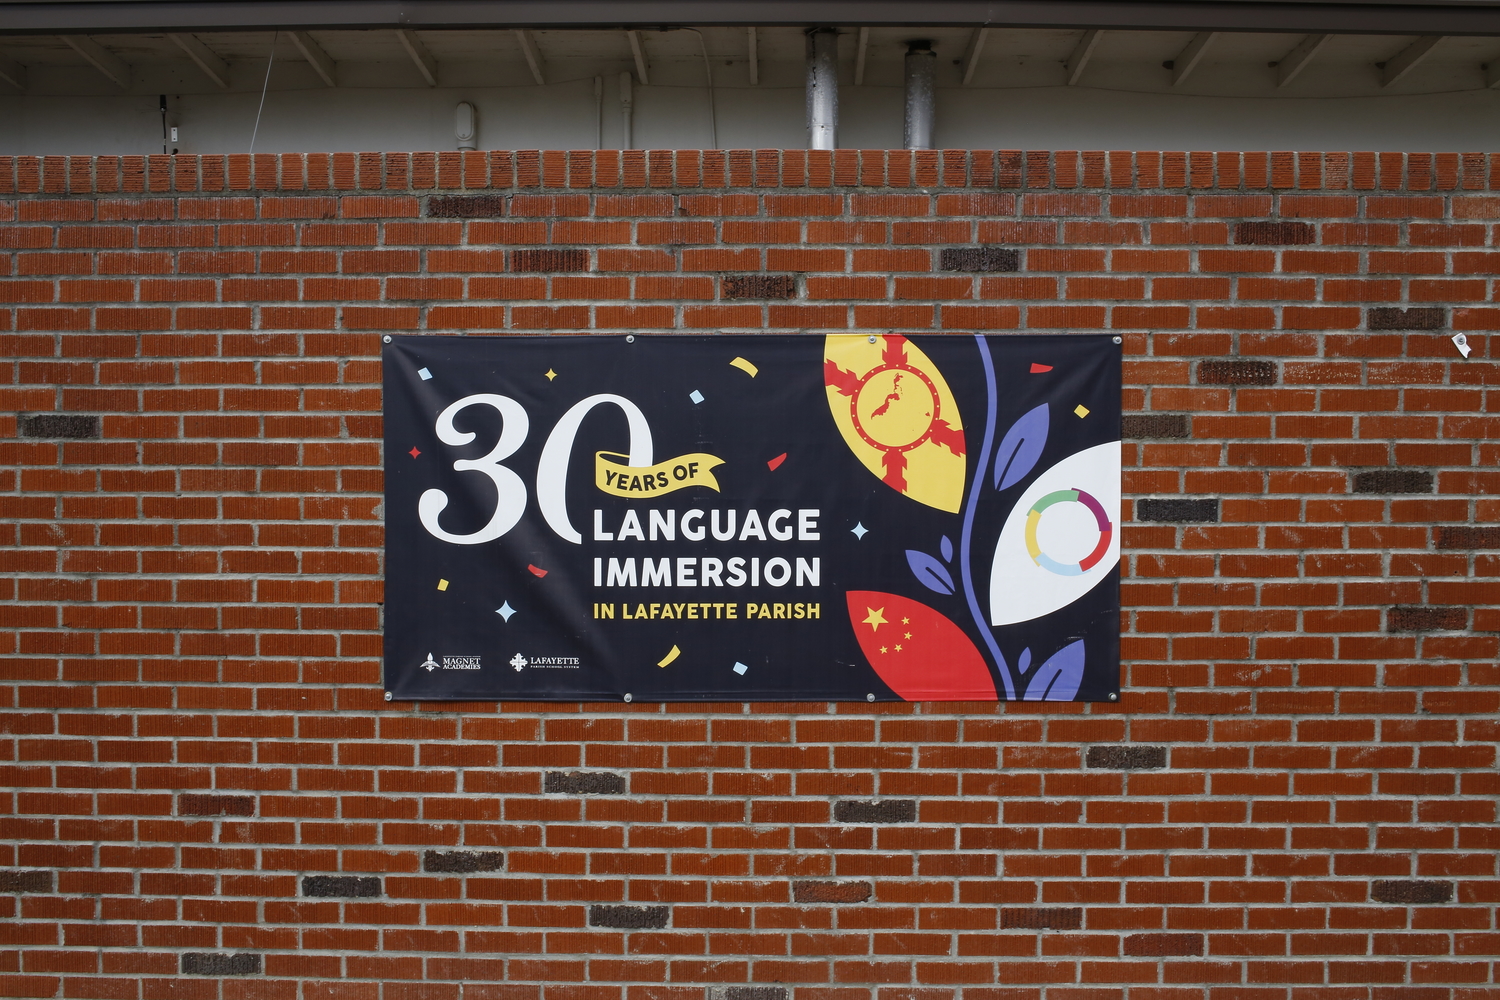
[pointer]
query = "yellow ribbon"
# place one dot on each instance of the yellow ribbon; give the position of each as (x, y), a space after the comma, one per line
(614, 477)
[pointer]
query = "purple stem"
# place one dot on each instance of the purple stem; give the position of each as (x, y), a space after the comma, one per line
(974, 490)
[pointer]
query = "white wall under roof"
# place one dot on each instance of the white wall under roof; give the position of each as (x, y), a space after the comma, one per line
(1018, 96)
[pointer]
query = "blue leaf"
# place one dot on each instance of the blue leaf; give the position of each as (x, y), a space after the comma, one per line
(1021, 447)
(929, 572)
(947, 548)
(1059, 677)
(1023, 662)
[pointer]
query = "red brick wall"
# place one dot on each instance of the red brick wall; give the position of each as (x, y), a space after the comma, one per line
(206, 797)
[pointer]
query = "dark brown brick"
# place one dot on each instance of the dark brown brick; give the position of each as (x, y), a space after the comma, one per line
(466, 206)
(1417, 318)
(875, 811)
(983, 259)
(1140, 426)
(1163, 945)
(814, 891)
(1126, 758)
(1411, 892)
(1234, 371)
(198, 963)
(1275, 234)
(632, 918)
(462, 862)
(1196, 509)
(25, 880)
(206, 804)
(1427, 619)
(60, 425)
(583, 783)
(1041, 918)
(1468, 536)
(1393, 481)
(549, 261)
(760, 286)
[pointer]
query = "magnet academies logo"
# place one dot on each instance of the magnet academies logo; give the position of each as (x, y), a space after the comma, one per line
(545, 662)
(451, 663)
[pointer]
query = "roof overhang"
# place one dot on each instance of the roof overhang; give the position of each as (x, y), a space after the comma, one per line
(1330, 16)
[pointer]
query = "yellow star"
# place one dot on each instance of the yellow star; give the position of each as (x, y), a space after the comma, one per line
(882, 649)
(908, 635)
(906, 621)
(875, 619)
(550, 374)
(898, 647)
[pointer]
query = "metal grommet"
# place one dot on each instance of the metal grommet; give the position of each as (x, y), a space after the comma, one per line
(869, 697)
(628, 698)
(872, 338)
(629, 339)
(1114, 696)
(1119, 340)
(387, 696)
(387, 338)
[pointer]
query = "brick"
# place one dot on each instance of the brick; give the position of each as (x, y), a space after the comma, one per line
(549, 261)
(1194, 509)
(466, 206)
(875, 811)
(1041, 918)
(1468, 536)
(1236, 372)
(583, 783)
(1427, 619)
(628, 917)
(1156, 425)
(1163, 945)
(1411, 892)
(759, 286)
(341, 886)
(815, 891)
(200, 804)
(982, 258)
(203, 963)
(1275, 234)
(1126, 758)
(1392, 481)
(462, 862)
(1416, 318)
(25, 880)
(75, 426)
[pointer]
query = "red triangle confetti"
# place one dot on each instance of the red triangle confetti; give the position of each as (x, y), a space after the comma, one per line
(775, 463)
(1037, 369)
(535, 570)
(414, 452)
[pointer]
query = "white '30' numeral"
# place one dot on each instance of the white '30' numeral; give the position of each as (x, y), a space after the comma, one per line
(511, 503)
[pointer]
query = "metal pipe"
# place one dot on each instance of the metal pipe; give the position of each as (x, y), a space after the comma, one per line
(627, 105)
(921, 62)
(822, 88)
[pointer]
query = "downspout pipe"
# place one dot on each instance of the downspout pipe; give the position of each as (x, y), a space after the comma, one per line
(822, 88)
(921, 65)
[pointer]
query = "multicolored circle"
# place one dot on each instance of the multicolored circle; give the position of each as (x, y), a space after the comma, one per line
(1088, 562)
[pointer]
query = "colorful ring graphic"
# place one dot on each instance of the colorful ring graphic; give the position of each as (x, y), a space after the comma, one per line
(1088, 562)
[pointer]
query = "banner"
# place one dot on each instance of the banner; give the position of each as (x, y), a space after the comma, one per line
(752, 518)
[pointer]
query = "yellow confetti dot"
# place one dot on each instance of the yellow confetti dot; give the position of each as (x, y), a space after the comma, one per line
(442, 585)
(1081, 410)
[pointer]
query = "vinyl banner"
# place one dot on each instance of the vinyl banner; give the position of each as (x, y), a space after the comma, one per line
(752, 518)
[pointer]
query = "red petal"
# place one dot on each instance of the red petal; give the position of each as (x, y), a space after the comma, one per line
(938, 663)
(1037, 369)
(535, 570)
(775, 463)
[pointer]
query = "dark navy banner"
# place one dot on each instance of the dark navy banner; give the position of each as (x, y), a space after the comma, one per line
(752, 518)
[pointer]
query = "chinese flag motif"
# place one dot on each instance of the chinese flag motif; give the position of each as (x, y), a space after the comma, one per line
(921, 655)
